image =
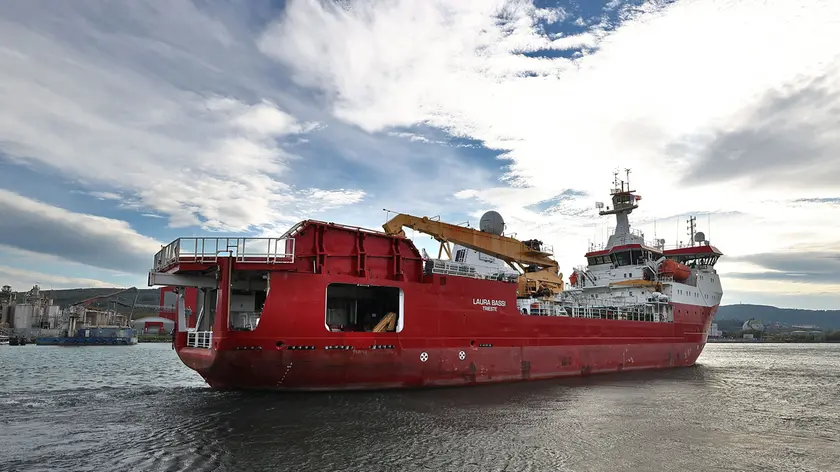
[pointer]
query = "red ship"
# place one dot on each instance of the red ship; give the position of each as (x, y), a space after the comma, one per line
(334, 307)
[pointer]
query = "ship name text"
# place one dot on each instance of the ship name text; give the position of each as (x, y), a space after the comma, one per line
(489, 305)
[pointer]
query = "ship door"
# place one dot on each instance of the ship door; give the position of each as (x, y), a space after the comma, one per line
(248, 294)
(364, 308)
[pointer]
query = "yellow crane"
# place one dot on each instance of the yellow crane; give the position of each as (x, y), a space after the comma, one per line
(539, 272)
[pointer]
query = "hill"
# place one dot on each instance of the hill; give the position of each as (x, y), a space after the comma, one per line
(65, 297)
(826, 319)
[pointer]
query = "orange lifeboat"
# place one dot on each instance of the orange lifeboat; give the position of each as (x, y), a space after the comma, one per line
(670, 267)
(573, 279)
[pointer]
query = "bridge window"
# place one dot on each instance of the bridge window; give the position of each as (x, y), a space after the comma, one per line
(364, 308)
(598, 260)
(621, 258)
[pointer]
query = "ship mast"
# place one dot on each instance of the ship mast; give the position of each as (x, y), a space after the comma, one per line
(692, 229)
(624, 202)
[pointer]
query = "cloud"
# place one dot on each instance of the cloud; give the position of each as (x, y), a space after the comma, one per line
(334, 198)
(561, 122)
(87, 239)
(153, 108)
(560, 203)
(21, 279)
(823, 200)
(789, 138)
(816, 300)
(815, 267)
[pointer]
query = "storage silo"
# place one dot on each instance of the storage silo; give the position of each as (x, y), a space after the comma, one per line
(23, 316)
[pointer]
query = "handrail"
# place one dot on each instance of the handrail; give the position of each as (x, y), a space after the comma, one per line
(202, 339)
(207, 250)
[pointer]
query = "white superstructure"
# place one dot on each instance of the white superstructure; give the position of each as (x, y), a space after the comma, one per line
(633, 279)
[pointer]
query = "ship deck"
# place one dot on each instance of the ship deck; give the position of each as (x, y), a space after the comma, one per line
(202, 253)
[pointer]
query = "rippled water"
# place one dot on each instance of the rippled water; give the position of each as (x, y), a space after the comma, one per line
(755, 407)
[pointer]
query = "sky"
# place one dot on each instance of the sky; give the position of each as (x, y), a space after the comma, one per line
(124, 125)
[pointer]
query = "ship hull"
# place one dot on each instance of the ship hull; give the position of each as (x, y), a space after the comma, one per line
(318, 364)
(363, 370)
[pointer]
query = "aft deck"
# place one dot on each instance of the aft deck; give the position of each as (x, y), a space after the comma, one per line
(198, 253)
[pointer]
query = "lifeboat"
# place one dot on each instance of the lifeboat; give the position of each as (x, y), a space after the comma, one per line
(670, 267)
(573, 279)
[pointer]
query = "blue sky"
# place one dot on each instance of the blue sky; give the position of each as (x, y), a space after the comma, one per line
(125, 125)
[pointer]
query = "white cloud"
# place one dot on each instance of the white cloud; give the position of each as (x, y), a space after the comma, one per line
(92, 240)
(652, 94)
(21, 279)
(106, 195)
(133, 117)
(651, 81)
(335, 198)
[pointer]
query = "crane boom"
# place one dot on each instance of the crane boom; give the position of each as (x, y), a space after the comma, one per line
(510, 250)
(90, 300)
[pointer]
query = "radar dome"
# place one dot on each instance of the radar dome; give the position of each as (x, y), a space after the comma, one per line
(699, 237)
(492, 222)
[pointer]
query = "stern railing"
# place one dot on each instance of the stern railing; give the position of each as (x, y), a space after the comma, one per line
(203, 339)
(207, 251)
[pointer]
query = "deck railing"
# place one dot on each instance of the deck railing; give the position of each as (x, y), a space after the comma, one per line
(462, 269)
(207, 251)
(202, 339)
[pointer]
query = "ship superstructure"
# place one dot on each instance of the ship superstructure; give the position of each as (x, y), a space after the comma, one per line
(331, 307)
(633, 279)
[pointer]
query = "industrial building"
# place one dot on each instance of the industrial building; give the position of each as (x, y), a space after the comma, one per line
(153, 325)
(33, 314)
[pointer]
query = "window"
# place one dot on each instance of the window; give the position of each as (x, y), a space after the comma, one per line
(364, 308)
(621, 258)
(598, 260)
(485, 257)
(460, 255)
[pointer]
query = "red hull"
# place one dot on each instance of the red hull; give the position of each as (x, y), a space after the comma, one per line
(449, 335)
(382, 369)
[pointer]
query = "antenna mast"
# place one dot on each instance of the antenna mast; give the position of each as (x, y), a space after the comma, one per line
(691, 228)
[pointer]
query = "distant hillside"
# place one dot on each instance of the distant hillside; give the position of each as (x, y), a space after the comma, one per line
(63, 298)
(829, 319)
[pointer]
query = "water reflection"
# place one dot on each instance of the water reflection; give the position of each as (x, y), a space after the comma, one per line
(739, 408)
